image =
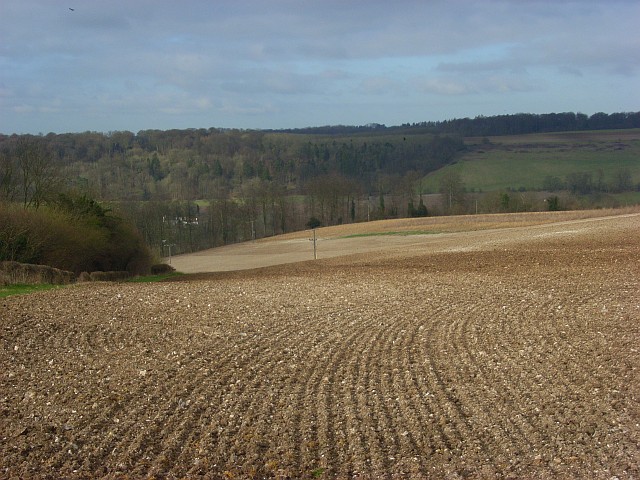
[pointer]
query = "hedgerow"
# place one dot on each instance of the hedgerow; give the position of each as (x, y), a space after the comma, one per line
(73, 233)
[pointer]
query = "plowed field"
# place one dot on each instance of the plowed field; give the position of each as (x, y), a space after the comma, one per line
(515, 359)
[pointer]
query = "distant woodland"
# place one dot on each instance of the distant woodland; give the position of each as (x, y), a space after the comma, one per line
(519, 124)
(191, 189)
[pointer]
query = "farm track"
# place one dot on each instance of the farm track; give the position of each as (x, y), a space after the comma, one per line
(517, 361)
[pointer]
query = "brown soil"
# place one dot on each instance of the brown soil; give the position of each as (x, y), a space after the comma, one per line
(512, 354)
(431, 234)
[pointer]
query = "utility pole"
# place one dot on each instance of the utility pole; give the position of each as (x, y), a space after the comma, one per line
(169, 245)
(315, 252)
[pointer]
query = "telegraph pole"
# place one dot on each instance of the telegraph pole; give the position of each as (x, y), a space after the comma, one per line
(169, 245)
(315, 254)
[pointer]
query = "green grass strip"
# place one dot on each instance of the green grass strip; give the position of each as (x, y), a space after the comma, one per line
(21, 289)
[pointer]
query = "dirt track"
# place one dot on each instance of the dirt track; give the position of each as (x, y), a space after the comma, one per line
(515, 356)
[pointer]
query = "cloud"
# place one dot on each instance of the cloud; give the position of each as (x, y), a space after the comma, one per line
(444, 86)
(570, 71)
(252, 109)
(477, 85)
(270, 59)
(378, 85)
(281, 82)
(24, 109)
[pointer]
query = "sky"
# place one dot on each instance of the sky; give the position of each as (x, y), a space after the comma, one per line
(113, 65)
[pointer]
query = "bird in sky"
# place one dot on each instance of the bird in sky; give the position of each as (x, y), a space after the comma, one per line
(72, 9)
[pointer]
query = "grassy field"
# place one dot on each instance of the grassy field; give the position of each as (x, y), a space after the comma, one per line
(499, 163)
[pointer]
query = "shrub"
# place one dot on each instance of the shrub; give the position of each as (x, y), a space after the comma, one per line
(313, 223)
(73, 235)
(553, 203)
(421, 211)
(84, 277)
(112, 276)
(161, 269)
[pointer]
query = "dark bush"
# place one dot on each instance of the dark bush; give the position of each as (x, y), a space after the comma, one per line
(109, 276)
(553, 203)
(74, 235)
(161, 269)
(313, 223)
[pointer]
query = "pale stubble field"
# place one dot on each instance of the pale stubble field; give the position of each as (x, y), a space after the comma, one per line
(503, 351)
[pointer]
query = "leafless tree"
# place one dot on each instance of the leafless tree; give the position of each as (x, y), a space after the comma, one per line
(36, 171)
(8, 181)
(452, 192)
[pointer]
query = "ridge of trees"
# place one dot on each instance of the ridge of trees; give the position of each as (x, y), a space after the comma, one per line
(481, 126)
(213, 163)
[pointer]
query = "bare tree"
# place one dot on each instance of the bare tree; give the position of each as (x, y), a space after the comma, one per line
(622, 181)
(8, 181)
(452, 191)
(331, 194)
(36, 172)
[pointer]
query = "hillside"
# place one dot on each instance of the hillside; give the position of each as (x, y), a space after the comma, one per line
(188, 190)
(517, 358)
(529, 162)
(404, 236)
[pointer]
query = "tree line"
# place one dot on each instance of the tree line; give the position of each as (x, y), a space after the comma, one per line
(585, 183)
(240, 184)
(480, 126)
(192, 164)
